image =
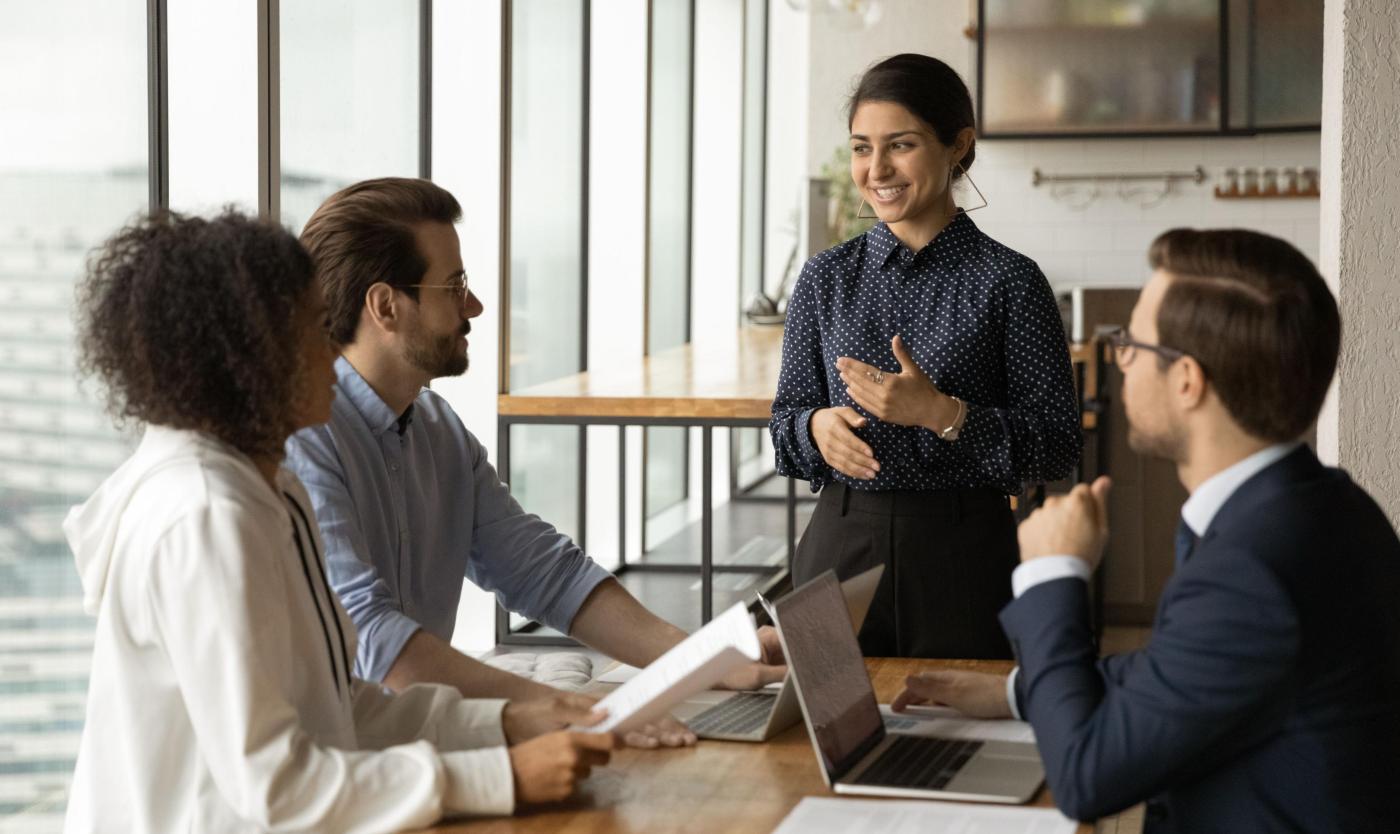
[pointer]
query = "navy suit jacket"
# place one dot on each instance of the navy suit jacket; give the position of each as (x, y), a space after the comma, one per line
(1269, 696)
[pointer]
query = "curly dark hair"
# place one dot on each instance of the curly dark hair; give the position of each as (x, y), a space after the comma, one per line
(192, 323)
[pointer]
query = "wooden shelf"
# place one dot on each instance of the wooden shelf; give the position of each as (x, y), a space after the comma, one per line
(1301, 195)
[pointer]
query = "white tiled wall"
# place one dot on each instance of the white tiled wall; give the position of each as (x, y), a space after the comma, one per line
(1105, 242)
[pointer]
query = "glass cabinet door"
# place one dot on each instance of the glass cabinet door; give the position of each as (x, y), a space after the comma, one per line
(1100, 67)
(1275, 64)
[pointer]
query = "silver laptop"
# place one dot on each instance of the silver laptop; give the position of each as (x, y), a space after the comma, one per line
(856, 752)
(762, 714)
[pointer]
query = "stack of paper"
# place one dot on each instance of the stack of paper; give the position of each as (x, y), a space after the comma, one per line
(821, 815)
(695, 664)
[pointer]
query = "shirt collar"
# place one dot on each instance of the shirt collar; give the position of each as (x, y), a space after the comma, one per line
(376, 413)
(883, 243)
(1200, 509)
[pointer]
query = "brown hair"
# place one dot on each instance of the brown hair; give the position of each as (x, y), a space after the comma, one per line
(363, 234)
(926, 87)
(194, 324)
(1257, 316)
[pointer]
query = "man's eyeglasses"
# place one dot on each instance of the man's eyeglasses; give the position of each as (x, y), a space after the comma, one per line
(456, 283)
(1125, 348)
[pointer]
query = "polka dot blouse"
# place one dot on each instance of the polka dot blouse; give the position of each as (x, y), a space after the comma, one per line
(981, 322)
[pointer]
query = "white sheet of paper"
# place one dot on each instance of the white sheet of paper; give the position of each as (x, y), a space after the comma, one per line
(826, 815)
(696, 663)
(948, 723)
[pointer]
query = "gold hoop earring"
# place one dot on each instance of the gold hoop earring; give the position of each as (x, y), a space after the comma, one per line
(968, 177)
(861, 208)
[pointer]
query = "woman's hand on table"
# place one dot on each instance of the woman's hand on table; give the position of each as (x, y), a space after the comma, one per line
(833, 430)
(907, 398)
(976, 694)
(547, 768)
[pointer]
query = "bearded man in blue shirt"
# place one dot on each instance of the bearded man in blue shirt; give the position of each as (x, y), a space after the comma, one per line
(406, 500)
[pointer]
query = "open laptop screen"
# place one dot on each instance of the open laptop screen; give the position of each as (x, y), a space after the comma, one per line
(825, 658)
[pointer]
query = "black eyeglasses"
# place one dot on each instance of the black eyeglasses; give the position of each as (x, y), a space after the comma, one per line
(1125, 348)
(457, 284)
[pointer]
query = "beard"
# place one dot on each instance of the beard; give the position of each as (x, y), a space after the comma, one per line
(438, 356)
(1169, 444)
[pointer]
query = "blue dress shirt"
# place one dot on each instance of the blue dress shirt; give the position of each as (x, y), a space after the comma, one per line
(981, 322)
(408, 507)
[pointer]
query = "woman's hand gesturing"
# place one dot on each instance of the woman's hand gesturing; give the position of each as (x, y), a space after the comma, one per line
(907, 398)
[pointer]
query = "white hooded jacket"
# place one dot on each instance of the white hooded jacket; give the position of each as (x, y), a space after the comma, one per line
(221, 697)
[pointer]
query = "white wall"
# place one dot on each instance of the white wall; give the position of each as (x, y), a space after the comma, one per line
(1360, 225)
(1104, 243)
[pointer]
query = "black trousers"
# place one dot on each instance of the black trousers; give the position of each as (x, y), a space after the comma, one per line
(948, 557)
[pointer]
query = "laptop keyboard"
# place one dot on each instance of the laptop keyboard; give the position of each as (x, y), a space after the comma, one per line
(919, 762)
(742, 714)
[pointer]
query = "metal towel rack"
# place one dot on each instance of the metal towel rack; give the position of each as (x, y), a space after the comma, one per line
(1197, 176)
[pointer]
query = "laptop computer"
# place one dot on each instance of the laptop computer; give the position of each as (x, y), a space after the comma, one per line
(856, 752)
(762, 714)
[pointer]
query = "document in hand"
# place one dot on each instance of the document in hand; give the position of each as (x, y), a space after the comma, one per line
(696, 663)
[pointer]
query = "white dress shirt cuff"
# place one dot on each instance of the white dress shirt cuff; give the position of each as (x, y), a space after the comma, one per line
(479, 782)
(1047, 569)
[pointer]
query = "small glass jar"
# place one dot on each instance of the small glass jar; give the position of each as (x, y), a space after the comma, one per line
(1290, 182)
(1230, 183)
(1307, 181)
(1269, 186)
(1251, 182)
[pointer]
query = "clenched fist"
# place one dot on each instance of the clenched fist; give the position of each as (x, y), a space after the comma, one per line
(548, 768)
(1069, 525)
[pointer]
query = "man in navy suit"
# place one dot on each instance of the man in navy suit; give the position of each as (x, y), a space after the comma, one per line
(1269, 696)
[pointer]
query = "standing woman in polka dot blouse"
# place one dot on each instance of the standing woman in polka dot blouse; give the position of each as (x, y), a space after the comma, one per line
(925, 378)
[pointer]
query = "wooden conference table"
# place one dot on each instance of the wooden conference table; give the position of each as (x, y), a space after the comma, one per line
(733, 787)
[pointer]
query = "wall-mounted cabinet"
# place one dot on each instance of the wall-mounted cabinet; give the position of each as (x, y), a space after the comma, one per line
(1075, 68)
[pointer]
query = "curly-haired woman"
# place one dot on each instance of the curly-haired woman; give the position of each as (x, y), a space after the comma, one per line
(221, 696)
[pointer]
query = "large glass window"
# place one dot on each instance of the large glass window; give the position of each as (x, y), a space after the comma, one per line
(349, 97)
(547, 234)
(73, 168)
(668, 246)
